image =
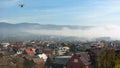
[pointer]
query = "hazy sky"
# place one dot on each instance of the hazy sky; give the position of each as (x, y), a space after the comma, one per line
(63, 12)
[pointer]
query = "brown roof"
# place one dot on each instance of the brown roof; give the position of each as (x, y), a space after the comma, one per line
(38, 60)
(84, 57)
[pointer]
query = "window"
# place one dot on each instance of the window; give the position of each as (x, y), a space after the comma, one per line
(75, 60)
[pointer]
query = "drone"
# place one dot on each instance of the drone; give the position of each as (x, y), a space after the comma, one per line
(21, 5)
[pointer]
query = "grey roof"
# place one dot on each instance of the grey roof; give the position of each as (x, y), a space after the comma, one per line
(62, 59)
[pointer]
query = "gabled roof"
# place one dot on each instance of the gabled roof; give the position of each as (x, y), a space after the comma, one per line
(62, 59)
(84, 57)
(38, 60)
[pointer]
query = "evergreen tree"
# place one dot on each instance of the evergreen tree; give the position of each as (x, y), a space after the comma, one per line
(106, 59)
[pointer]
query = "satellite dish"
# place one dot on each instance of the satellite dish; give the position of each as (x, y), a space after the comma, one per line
(21, 5)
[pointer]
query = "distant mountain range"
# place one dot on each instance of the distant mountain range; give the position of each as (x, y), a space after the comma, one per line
(5, 25)
(26, 31)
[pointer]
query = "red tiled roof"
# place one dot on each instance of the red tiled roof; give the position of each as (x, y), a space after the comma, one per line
(28, 51)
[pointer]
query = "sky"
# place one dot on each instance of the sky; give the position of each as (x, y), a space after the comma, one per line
(61, 12)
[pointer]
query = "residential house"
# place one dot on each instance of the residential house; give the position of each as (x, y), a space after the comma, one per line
(38, 60)
(79, 60)
(60, 61)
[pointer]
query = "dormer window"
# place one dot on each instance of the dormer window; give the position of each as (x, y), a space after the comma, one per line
(75, 60)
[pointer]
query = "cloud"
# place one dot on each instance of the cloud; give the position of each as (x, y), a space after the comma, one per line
(94, 32)
(3, 21)
(8, 3)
